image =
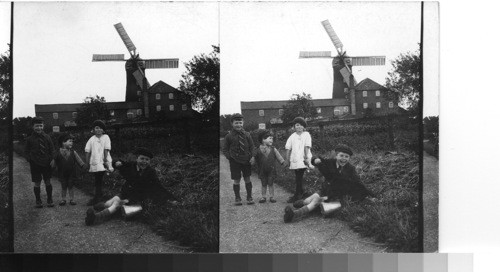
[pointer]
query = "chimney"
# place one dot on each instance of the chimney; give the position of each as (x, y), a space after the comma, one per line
(145, 97)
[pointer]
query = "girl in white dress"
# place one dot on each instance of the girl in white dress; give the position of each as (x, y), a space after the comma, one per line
(97, 151)
(298, 153)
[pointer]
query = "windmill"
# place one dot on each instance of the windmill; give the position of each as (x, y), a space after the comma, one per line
(135, 67)
(343, 79)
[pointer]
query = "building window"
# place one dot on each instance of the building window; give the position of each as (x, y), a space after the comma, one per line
(139, 111)
(280, 112)
(74, 114)
(262, 126)
(55, 129)
(391, 105)
(138, 93)
(158, 96)
(112, 113)
(130, 115)
(318, 110)
(365, 105)
(377, 93)
(55, 115)
(346, 109)
(158, 108)
(170, 95)
(378, 105)
(171, 107)
(184, 107)
(336, 112)
(261, 112)
(365, 93)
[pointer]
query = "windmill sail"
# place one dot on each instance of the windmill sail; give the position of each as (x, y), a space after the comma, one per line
(368, 61)
(333, 36)
(346, 75)
(108, 57)
(315, 54)
(125, 38)
(139, 77)
(161, 63)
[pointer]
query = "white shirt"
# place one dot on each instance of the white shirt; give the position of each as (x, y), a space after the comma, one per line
(297, 144)
(96, 146)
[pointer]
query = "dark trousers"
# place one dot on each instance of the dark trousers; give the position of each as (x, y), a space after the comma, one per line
(98, 183)
(299, 177)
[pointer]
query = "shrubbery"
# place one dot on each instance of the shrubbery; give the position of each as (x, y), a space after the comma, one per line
(5, 215)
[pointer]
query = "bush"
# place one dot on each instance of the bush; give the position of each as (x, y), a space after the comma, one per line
(5, 215)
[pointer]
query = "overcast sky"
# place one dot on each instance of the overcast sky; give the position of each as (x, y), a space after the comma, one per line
(261, 44)
(4, 26)
(54, 43)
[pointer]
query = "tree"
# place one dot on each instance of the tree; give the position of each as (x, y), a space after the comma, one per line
(404, 79)
(93, 108)
(22, 127)
(299, 105)
(5, 84)
(431, 127)
(201, 83)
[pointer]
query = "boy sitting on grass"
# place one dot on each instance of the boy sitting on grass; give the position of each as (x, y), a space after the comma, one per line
(141, 183)
(341, 180)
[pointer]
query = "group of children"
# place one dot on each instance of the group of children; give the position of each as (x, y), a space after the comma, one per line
(341, 178)
(141, 180)
(43, 158)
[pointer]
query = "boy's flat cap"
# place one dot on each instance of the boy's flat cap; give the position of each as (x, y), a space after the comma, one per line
(143, 151)
(343, 149)
(37, 120)
(299, 120)
(236, 116)
(64, 137)
(99, 123)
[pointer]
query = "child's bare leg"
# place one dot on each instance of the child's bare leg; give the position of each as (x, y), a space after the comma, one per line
(64, 187)
(310, 198)
(113, 201)
(264, 181)
(314, 202)
(271, 190)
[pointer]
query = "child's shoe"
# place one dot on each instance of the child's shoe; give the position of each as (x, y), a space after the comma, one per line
(298, 204)
(90, 218)
(50, 203)
(262, 200)
(250, 201)
(272, 200)
(62, 203)
(71, 202)
(288, 214)
(38, 204)
(237, 202)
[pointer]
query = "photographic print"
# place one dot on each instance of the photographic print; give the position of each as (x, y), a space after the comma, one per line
(320, 127)
(115, 127)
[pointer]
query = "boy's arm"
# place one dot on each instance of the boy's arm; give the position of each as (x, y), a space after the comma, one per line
(278, 156)
(225, 146)
(87, 157)
(250, 142)
(78, 159)
(288, 152)
(51, 147)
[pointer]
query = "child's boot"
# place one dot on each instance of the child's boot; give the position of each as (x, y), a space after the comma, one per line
(262, 200)
(236, 189)
(271, 193)
(48, 189)
(36, 190)
(248, 187)
(288, 214)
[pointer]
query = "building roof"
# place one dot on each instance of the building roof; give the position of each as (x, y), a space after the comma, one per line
(278, 104)
(72, 107)
(369, 85)
(162, 87)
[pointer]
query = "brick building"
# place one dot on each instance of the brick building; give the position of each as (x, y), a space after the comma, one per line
(160, 99)
(367, 96)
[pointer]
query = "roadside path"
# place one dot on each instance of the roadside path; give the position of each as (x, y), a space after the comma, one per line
(431, 203)
(260, 227)
(62, 229)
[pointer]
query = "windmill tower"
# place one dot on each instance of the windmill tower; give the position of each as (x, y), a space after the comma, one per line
(343, 79)
(135, 67)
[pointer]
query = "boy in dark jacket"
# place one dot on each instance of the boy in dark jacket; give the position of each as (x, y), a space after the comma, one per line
(341, 180)
(238, 147)
(39, 150)
(141, 183)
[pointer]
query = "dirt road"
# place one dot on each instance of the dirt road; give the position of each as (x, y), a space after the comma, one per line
(260, 227)
(61, 229)
(431, 203)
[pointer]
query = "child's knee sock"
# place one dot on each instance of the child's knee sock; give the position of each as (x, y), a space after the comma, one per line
(48, 189)
(236, 189)
(36, 190)
(248, 187)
